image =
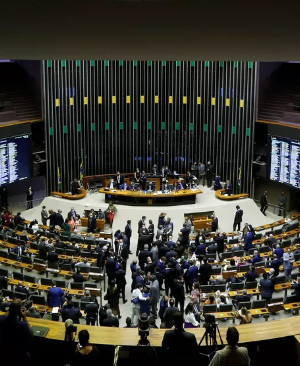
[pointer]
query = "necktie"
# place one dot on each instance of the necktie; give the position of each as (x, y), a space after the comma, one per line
(20, 251)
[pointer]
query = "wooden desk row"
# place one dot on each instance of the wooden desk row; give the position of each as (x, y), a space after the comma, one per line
(68, 196)
(221, 196)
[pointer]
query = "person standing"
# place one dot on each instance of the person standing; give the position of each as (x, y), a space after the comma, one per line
(137, 297)
(111, 211)
(228, 188)
(209, 174)
(120, 180)
(44, 215)
(178, 292)
(264, 202)
(282, 204)
(266, 288)
(92, 223)
(29, 197)
(4, 194)
(288, 260)
(202, 172)
(55, 296)
(154, 296)
(238, 218)
(112, 297)
(75, 187)
(121, 282)
(128, 232)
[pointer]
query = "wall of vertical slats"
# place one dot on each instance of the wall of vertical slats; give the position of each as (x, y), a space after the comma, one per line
(129, 114)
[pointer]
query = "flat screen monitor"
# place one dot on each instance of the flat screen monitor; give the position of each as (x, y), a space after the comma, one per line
(285, 161)
(14, 159)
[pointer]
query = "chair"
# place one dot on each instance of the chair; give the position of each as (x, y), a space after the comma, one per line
(39, 261)
(239, 253)
(297, 257)
(264, 249)
(66, 267)
(225, 308)
(8, 293)
(290, 299)
(297, 240)
(13, 256)
(244, 268)
(20, 295)
(232, 268)
(29, 230)
(221, 288)
(38, 299)
(94, 255)
(92, 187)
(34, 246)
(259, 264)
(3, 254)
(60, 283)
(59, 250)
(206, 289)
(53, 265)
(233, 241)
(30, 279)
(64, 238)
(26, 259)
(98, 181)
(76, 285)
(90, 285)
(77, 240)
(246, 304)
(251, 285)
(12, 240)
(84, 269)
(269, 232)
(251, 251)
(97, 270)
(276, 300)
(46, 281)
(20, 227)
(85, 254)
(83, 304)
(2, 237)
(21, 242)
(18, 276)
(4, 272)
(279, 279)
(214, 271)
(286, 244)
(258, 304)
(50, 235)
(227, 255)
(70, 252)
(211, 256)
(258, 236)
(209, 309)
(237, 286)
(277, 232)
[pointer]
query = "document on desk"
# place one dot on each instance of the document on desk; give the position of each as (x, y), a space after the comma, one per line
(55, 310)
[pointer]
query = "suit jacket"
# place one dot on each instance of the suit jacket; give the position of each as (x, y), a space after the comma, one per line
(170, 276)
(92, 223)
(150, 267)
(154, 292)
(78, 277)
(72, 313)
(120, 179)
(191, 274)
(212, 249)
(238, 218)
(52, 219)
(143, 255)
(113, 184)
(168, 316)
(266, 288)
(91, 311)
(42, 251)
(111, 321)
(263, 200)
(228, 188)
(59, 219)
(110, 266)
(54, 296)
(128, 231)
(140, 224)
(52, 257)
(143, 232)
(178, 289)
(120, 278)
(23, 290)
(177, 340)
(205, 270)
(16, 249)
(3, 282)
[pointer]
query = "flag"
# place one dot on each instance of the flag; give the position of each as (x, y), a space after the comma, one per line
(239, 180)
(81, 167)
(58, 179)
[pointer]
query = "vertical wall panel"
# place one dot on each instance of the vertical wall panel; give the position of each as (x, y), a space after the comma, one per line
(129, 114)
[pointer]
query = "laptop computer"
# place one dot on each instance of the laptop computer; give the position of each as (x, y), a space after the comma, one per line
(40, 331)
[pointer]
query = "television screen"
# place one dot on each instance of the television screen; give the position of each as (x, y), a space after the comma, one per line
(285, 161)
(14, 159)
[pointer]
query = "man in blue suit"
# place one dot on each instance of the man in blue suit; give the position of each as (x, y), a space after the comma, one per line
(110, 268)
(124, 187)
(201, 249)
(228, 188)
(191, 276)
(19, 250)
(55, 296)
(256, 257)
(278, 251)
(71, 313)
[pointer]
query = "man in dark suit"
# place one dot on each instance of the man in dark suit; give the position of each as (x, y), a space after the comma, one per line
(75, 187)
(91, 312)
(252, 275)
(181, 346)
(92, 223)
(143, 255)
(119, 179)
(71, 313)
(201, 249)
(110, 267)
(185, 232)
(112, 184)
(3, 282)
(209, 174)
(121, 282)
(238, 218)
(19, 250)
(21, 288)
(276, 263)
(178, 292)
(214, 224)
(155, 170)
(264, 202)
(52, 256)
(128, 232)
(169, 277)
(77, 276)
(42, 250)
(212, 248)
(150, 266)
(141, 223)
(111, 320)
(228, 188)
(168, 314)
(55, 296)
(143, 231)
(59, 218)
(241, 297)
(205, 271)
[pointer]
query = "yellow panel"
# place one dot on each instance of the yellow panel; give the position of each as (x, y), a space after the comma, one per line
(71, 101)
(156, 98)
(199, 100)
(142, 99)
(227, 102)
(57, 102)
(184, 100)
(99, 100)
(213, 101)
(242, 103)
(85, 100)
(128, 99)
(170, 99)
(114, 99)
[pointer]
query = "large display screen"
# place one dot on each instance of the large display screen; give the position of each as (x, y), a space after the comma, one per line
(14, 159)
(285, 161)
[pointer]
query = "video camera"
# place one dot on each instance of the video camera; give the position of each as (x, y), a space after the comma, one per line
(144, 328)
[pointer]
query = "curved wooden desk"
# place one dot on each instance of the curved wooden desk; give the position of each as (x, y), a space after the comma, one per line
(69, 196)
(230, 198)
(186, 196)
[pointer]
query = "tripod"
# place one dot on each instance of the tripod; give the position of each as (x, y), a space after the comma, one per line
(211, 335)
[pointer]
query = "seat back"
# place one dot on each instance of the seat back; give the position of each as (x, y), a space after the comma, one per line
(214, 270)
(246, 304)
(258, 304)
(209, 309)
(20, 295)
(290, 299)
(3, 254)
(30, 279)
(244, 268)
(251, 285)
(18, 276)
(76, 285)
(225, 307)
(38, 299)
(237, 286)
(227, 254)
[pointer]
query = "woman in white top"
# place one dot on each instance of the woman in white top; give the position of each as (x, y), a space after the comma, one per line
(189, 317)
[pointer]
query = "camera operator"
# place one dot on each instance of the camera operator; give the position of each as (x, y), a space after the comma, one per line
(15, 334)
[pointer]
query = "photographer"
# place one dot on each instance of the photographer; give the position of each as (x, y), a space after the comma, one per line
(85, 354)
(15, 334)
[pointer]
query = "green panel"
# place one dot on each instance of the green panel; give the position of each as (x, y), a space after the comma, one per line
(178, 63)
(206, 63)
(121, 63)
(248, 132)
(65, 129)
(93, 127)
(250, 64)
(149, 125)
(163, 125)
(106, 126)
(149, 63)
(49, 63)
(106, 63)
(163, 63)
(219, 128)
(135, 125)
(77, 62)
(236, 63)
(134, 63)
(79, 127)
(121, 125)
(92, 63)
(51, 131)
(233, 130)
(63, 63)
(177, 126)
(221, 63)
(205, 128)
(192, 63)
(191, 126)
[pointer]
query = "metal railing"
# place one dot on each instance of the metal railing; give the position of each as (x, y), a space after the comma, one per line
(24, 203)
(269, 205)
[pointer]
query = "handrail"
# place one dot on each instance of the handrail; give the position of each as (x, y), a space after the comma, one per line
(269, 204)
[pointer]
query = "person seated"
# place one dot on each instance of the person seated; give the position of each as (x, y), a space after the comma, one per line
(241, 262)
(231, 264)
(165, 186)
(256, 257)
(241, 297)
(129, 323)
(110, 320)
(234, 279)
(278, 251)
(252, 275)
(112, 184)
(217, 183)
(75, 187)
(21, 288)
(228, 188)
(214, 223)
(210, 301)
(19, 250)
(244, 315)
(237, 246)
(150, 186)
(124, 187)
(180, 185)
(33, 313)
(189, 317)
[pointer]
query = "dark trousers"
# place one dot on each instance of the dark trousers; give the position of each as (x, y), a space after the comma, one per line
(263, 208)
(121, 289)
(268, 299)
(90, 321)
(209, 180)
(282, 211)
(29, 204)
(238, 225)
(181, 303)
(168, 288)
(4, 202)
